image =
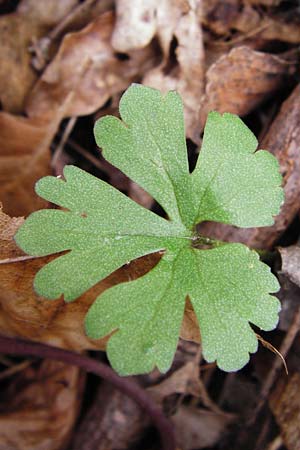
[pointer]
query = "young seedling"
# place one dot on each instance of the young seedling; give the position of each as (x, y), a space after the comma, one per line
(103, 229)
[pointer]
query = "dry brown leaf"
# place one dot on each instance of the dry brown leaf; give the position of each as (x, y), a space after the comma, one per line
(189, 327)
(224, 16)
(16, 74)
(283, 140)
(114, 421)
(240, 80)
(285, 405)
(183, 381)
(39, 408)
(198, 428)
(290, 257)
(24, 158)
(87, 65)
(48, 13)
(25, 314)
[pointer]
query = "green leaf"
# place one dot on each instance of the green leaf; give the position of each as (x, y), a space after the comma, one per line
(102, 229)
(233, 184)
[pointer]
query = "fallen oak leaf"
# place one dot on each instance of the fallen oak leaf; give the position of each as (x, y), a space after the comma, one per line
(104, 75)
(38, 409)
(24, 157)
(241, 79)
(131, 389)
(16, 74)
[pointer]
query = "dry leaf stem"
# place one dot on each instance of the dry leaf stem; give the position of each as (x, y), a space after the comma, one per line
(14, 346)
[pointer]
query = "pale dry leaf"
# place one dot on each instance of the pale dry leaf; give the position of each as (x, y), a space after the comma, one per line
(25, 314)
(183, 381)
(139, 21)
(186, 74)
(136, 24)
(46, 12)
(39, 408)
(87, 64)
(290, 257)
(198, 428)
(16, 74)
(241, 79)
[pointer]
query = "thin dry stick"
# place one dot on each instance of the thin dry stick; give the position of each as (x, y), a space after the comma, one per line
(262, 437)
(64, 138)
(13, 346)
(275, 444)
(83, 152)
(284, 349)
(14, 369)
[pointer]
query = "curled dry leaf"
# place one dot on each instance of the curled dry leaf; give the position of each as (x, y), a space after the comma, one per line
(283, 140)
(179, 22)
(25, 314)
(241, 79)
(86, 64)
(172, 22)
(223, 17)
(183, 381)
(290, 257)
(16, 74)
(39, 408)
(285, 405)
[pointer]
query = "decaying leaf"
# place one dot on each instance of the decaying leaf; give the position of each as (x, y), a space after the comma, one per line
(182, 381)
(284, 402)
(16, 74)
(48, 13)
(198, 428)
(86, 64)
(174, 24)
(225, 16)
(39, 409)
(23, 313)
(290, 257)
(241, 79)
(283, 140)
(24, 158)
(114, 421)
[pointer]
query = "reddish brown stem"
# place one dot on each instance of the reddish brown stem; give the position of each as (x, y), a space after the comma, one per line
(13, 346)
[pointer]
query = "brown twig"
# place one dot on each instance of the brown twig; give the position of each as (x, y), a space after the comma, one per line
(14, 346)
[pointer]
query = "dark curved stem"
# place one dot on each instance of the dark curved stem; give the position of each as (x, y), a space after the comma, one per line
(13, 346)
